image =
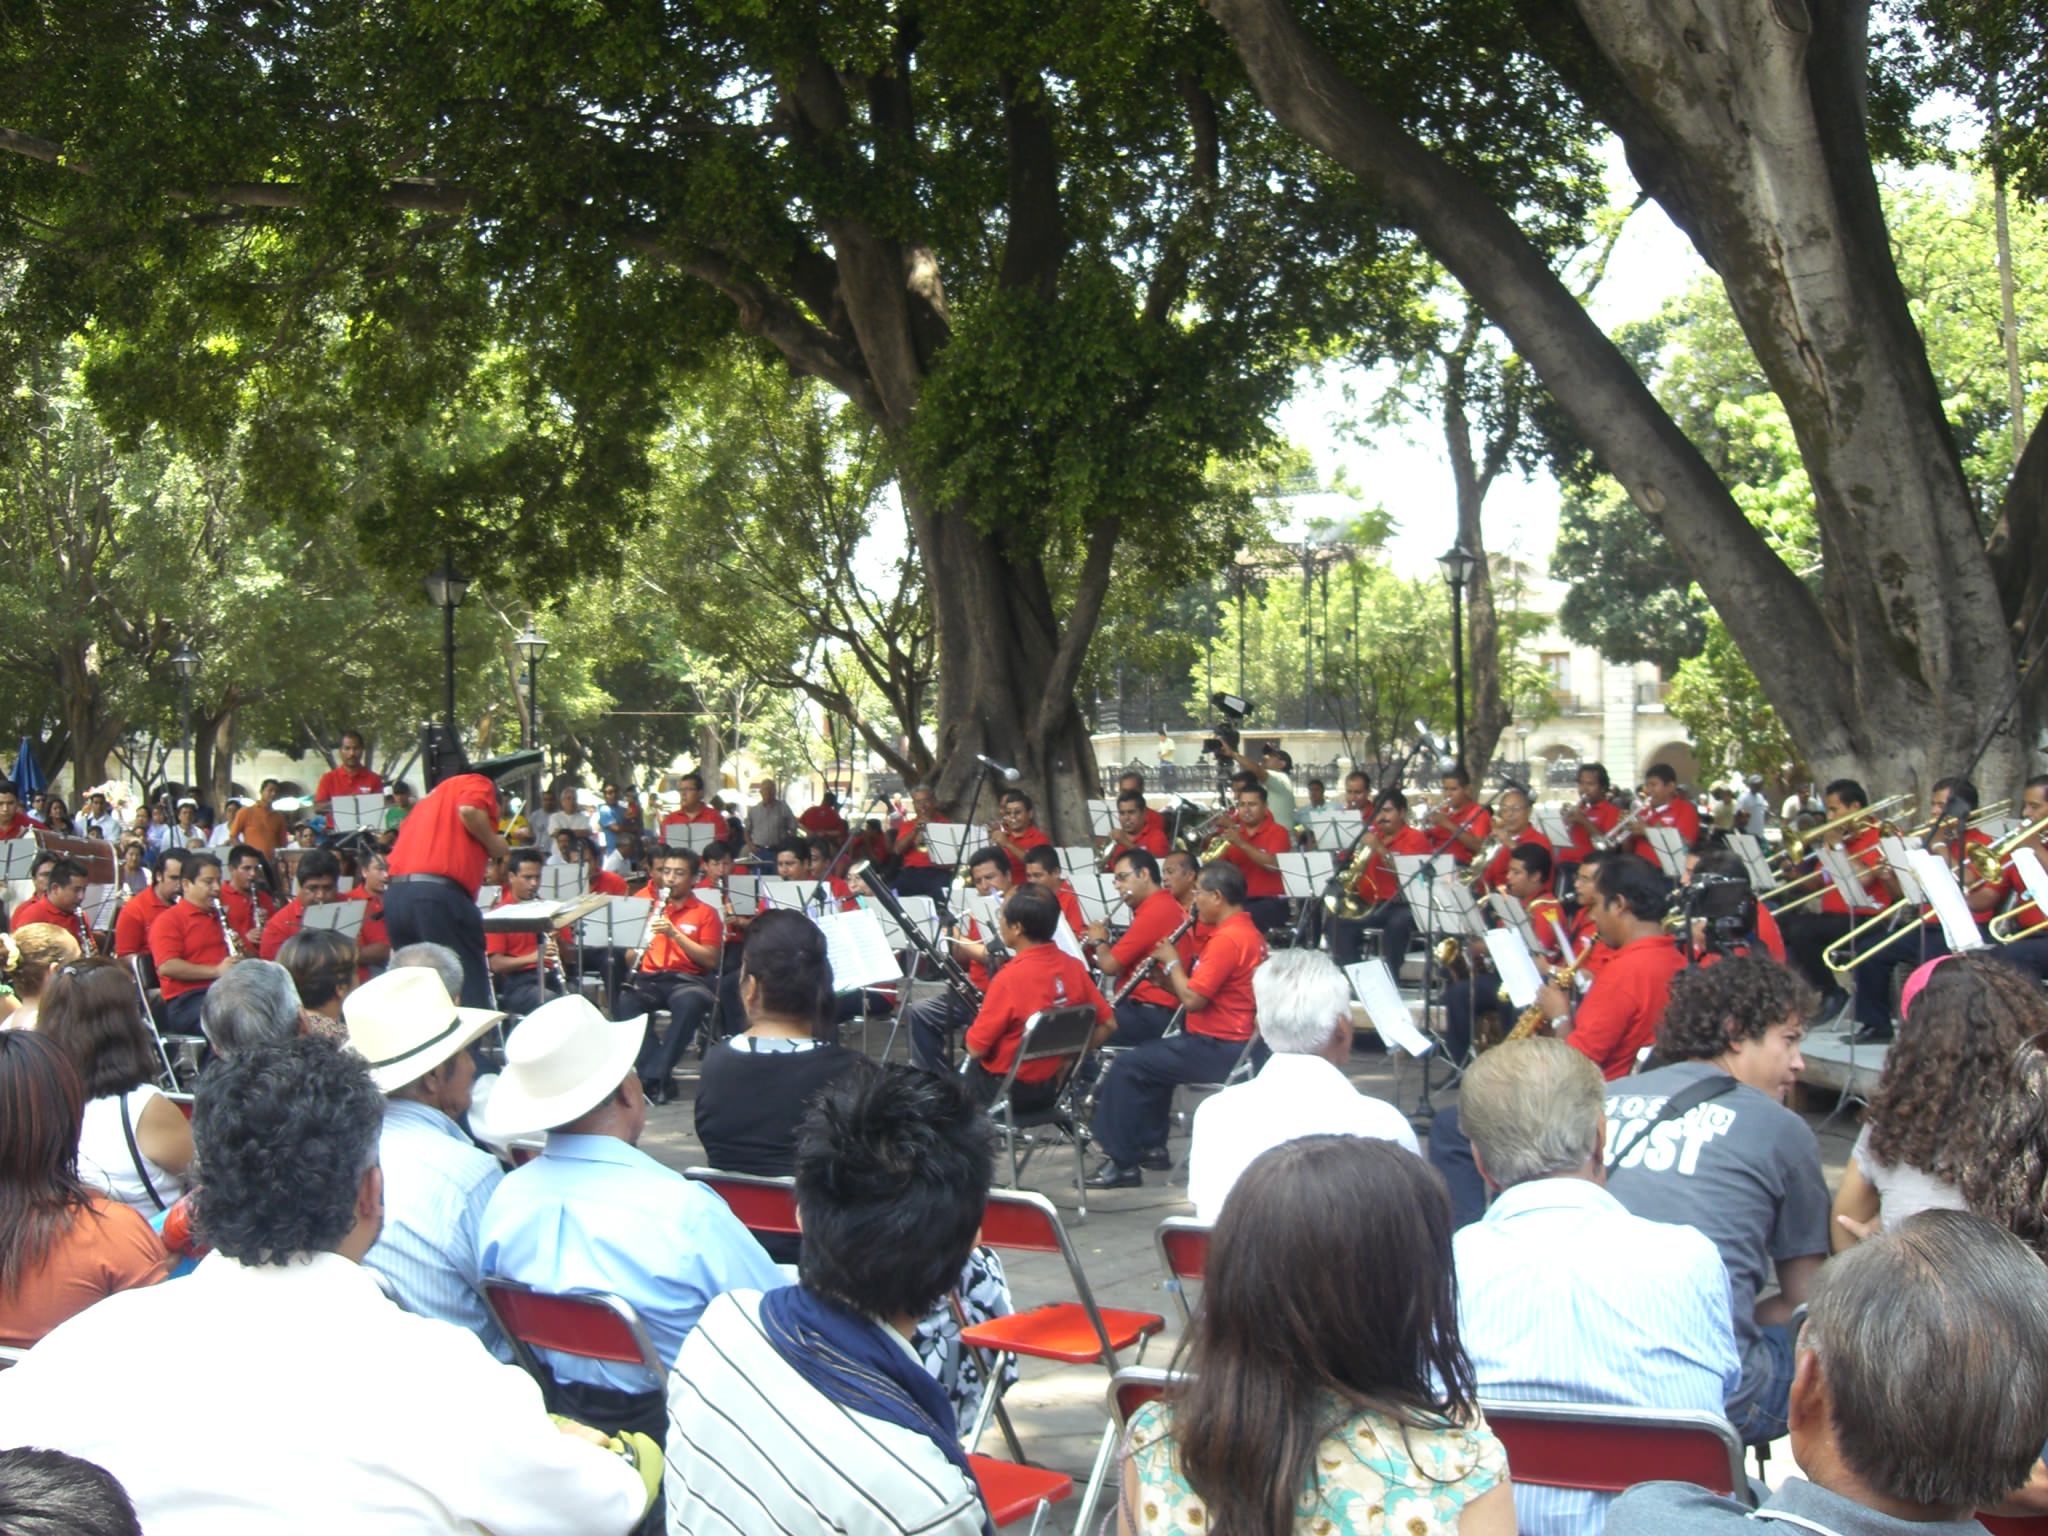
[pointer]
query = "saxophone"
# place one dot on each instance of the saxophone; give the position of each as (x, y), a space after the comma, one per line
(1531, 1018)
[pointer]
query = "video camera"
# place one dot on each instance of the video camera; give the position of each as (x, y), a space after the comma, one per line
(1725, 904)
(1224, 733)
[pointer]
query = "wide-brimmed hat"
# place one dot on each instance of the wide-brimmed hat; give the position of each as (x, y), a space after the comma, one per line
(404, 1024)
(563, 1060)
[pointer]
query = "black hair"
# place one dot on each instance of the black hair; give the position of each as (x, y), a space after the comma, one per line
(1742, 997)
(91, 1010)
(318, 864)
(988, 855)
(785, 954)
(50, 1493)
(686, 856)
(1643, 890)
(1286, 758)
(1044, 856)
(1848, 791)
(66, 871)
(322, 962)
(893, 1168)
(242, 851)
(1132, 797)
(717, 848)
(1956, 785)
(1606, 781)
(692, 777)
(1457, 774)
(1663, 771)
(196, 860)
(1254, 787)
(168, 856)
(524, 856)
(1021, 798)
(1316, 784)
(1396, 799)
(1140, 862)
(285, 1132)
(1035, 910)
(1533, 857)
(1222, 878)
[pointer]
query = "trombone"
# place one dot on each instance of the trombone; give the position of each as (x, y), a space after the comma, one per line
(1799, 847)
(1986, 865)
(2001, 927)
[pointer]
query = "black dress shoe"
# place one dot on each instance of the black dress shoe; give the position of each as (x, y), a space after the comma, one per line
(1158, 1160)
(1114, 1175)
(1872, 1034)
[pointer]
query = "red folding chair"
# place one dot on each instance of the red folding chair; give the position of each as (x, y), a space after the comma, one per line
(1071, 1332)
(765, 1205)
(594, 1325)
(1183, 1246)
(183, 1101)
(2014, 1525)
(1607, 1449)
(1012, 1490)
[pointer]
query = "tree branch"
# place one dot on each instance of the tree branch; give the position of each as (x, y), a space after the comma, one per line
(1090, 588)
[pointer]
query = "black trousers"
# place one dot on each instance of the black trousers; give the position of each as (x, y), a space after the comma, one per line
(429, 912)
(1807, 935)
(181, 1013)
(1267, 911)
(523, 991)
(689, 1001)
(1136, 1098)
(987, 1087)
(1397, 928)
(1464, 1001)
(933, 1022)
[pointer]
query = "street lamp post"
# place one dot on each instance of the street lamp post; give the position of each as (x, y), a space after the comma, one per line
(186, 663)
(448, 588)
(1457, 563)
(532, 647)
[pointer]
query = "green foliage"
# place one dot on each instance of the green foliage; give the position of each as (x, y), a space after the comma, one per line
(1735, 732)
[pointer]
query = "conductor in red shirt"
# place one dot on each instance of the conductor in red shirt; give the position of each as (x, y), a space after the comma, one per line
(1148, 1007)
(437, 865)
(1136, 1098)
(1039, 975)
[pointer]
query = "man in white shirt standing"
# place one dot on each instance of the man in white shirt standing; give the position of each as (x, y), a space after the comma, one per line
(1304, 1007)
(327, 1406)
(1563, 1296)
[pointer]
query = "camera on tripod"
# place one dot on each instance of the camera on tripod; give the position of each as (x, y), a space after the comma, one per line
(1224, 733)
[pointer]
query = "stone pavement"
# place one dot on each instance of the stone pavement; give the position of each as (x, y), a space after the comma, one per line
(1060, 1411)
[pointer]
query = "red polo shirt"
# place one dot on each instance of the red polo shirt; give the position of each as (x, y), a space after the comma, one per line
(1151, 838)
(131, 928)
(1860, 850)
(1224, 976)
(189, 933)
(433, 840)
(1043, 976)
(1619, 1016)
(703, 816)
(1676, 812)
(1603, 814)
(1154, 919)
(919, 857)
(37, 909)
(289, 919)
(1546, 916)
(1259, 881)
(1028, 839)
(1384, 880)
(695, 918)
(1496, 875)
(1474, 818)
(246, 912)
(374, 931)
(21, 826)
(821, 822)
(348, 781)
(497, 942)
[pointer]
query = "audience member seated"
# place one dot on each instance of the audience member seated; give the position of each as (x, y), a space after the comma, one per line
(1327, 1388)
(1039, 975)
(1920, 1393)
(318, 1402)
(135, 1144)
(437, 1181)
(46, 1493)
(1930, 1118)
(323, 966)
(63, 1245)
(1305, 1020)
(255, 1003)
(438, 958)
(806, 1408)
(595, 1213)
(1563, 1296)
(1704, 1138)
(1136, 1097)
(33, 955)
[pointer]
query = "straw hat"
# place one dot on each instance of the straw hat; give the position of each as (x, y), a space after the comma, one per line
(563, 1060)
(404, 1024)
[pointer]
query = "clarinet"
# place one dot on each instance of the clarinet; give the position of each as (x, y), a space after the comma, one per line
(1140, 972)
(86, 945)
(227, 930)
(660, 911)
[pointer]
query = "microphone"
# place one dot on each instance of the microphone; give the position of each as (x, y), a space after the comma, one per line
(1008, 775)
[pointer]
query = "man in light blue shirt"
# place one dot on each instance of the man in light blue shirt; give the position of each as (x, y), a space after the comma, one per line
(1563, 1296)
(595, 1213)
(436, 1180)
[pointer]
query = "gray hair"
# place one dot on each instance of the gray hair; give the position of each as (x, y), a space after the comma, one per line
(254, 1003)
(1532, 1108)
(1933, 1344)
(1301, 996)
(432, 957)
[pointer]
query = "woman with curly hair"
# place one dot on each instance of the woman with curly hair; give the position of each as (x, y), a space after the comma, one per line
(1929, 1123)
(2008, 1183)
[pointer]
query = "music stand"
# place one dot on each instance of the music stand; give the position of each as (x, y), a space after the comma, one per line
(1378, 993)
(1847, 882)
(621, 923)
(1550, 822)
(1076, 862)
(1762, 878)
(344, 917)
(947, 841)
(562, 882)
(1958, 924)
(696, 836)
(1514, 965)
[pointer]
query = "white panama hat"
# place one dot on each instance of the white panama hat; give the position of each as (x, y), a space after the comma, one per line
(561, 1061)
(404, 1024)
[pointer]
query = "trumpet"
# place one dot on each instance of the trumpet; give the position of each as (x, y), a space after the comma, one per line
(1622, 832)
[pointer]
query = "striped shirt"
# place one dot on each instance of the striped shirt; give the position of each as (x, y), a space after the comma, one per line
(436, 1185)
(1565, 1297)
(753, 1447)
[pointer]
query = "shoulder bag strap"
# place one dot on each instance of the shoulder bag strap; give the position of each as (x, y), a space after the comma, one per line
(135, 1152)
(1679, 1103)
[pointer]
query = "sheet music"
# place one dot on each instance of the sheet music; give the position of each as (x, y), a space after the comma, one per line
(1373, 985)
(744, 892)
(98, 906)
(1550, 822)
(1075, 862)
(1305, 874)
(1896, 855)
(1514, 965)
(1946, 897)
(1101, 902)
(1668, 843)
(948, 842)
(622, 922)
(1453, 911)
(796, 895)
(1843, 875)
(560, 882)
(357, 813)
(1102, 817)
(17, 858)
(1513, 915)
(858, 949)
(1415, 871)
(922, 911)
(891, 929)
(339, 916)
(487, 896)
(1762, 877)
(987, 910)
(695, 835)
(2033, 875)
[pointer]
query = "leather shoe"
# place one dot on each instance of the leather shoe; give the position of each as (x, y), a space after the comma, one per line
(1114, 1175)
(1158, 1160)
(1872, 1034)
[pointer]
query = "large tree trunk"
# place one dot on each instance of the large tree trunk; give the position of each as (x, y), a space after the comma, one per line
(1488, 716)
(93, 732)
(1900, 671)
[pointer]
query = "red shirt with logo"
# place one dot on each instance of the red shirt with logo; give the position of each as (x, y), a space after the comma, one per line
(1041, 977)
(1474, 818)
(338, 781)
(1677, 812)
(699, 922)
(1028, 839)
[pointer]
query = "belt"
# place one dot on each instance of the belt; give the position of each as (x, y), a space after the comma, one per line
(448, 880)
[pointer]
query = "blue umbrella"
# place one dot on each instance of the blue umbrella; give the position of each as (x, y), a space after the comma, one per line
(28, 773)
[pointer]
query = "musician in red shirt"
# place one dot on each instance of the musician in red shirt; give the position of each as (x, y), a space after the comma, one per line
(1147, 1008)
(437, 865)
(245, 895)
(1593, 816)
(1377, 882)
(917, 875)
(682, 969)
(824, 823)
(1459, 825)
(319, 883)
(1470, 997)
(933, 1020)
(373, 944)
(1136, 827)
(189, 944)
(1255, 843)
(349, 776)
(1038, 976)
(1667, 808)
(12, 823)
(1134, 1104)
(1042, 868)
(1511, 829)
(59, 904)
(691, 811)
(1618, 1015)
(1813, 927)
(1131, 782)
(1018, 832)
(2029, 954)
(821, 865)
(131, 928)
(526, 967)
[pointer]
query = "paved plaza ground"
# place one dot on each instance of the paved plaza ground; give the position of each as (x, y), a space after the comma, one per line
(1059, 1411)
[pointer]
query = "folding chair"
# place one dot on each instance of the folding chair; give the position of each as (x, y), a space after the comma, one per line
(187, 1047)
(763, 1204)
(1011, 1491)
(1129, 1390)
(1183, 1246)
(1071, 1332)
(1607, 1449)
(1051, 1034)
(594, 1325)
